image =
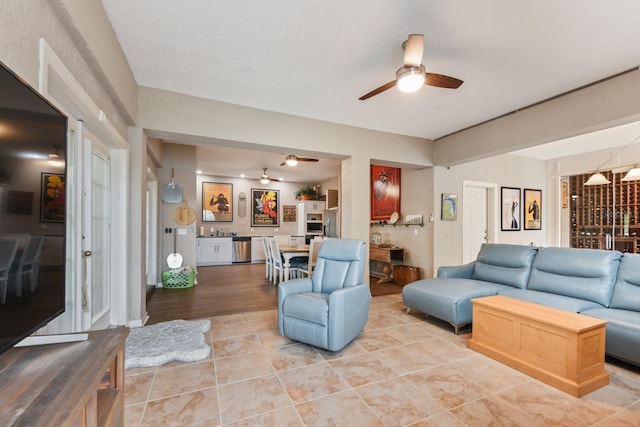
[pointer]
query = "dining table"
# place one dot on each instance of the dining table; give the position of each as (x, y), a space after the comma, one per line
(288, 252)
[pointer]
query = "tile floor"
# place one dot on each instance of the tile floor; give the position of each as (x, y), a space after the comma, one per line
(404, 370)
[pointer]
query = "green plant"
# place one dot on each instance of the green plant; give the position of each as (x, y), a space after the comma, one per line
(307, 191)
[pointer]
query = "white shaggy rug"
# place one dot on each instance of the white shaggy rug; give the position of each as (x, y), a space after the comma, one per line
(176, 340)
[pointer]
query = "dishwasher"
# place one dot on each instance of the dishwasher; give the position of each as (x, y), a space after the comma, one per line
(241, 249)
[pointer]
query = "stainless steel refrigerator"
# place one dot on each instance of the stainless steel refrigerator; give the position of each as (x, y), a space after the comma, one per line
(331, 223)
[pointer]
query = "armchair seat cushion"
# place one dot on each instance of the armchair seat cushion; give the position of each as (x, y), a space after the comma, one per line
(309, 306)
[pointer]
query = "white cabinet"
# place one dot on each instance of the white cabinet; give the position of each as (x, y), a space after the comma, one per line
(297, 240)
(309, 218)
(257, 249)
(214, 250)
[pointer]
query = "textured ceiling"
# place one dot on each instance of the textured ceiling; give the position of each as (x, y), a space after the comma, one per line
(315, 58)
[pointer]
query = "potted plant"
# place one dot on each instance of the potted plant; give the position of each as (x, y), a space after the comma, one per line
(306, 193)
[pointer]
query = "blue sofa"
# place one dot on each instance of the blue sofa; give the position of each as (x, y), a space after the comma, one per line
(598, 283)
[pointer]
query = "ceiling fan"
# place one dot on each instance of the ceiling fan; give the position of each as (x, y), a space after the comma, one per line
(292, 160)
(412, 75)
(265, 178)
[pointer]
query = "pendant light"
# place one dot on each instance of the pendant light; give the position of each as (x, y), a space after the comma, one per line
(632, 175)
(597, 179)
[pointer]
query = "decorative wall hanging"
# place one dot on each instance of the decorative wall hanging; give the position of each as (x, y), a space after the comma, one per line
(20, 202)
(52, 197)
(449, 209)
(385, 192)
(288, 213)
(510, 204)
(532, 209)
(264, 207)
(217, 202)
(242, 204)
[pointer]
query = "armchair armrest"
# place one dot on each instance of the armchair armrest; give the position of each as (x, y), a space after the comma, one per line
(461, 271)
(295, 286)
(348, 314)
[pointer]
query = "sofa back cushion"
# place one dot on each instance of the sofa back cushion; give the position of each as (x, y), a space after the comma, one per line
(626, 292)
(505, 264)
(587, 274)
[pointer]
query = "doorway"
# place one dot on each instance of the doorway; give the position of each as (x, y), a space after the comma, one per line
(479, 220)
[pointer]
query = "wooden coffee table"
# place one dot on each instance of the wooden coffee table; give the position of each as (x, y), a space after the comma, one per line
(557, 347)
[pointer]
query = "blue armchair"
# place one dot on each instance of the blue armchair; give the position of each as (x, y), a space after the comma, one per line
(330, 308)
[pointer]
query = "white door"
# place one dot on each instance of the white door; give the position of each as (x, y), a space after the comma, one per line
(96, 234)
(479, 217)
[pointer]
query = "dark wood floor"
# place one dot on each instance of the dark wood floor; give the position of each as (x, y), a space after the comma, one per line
(226, 289)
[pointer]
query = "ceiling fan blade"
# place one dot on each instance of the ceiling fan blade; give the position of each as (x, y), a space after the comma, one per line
(307, 159)
(440, 80)
(378, 90)
(413, 49)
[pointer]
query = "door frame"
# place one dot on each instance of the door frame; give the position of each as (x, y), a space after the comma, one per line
(493, 220)
(58, 84)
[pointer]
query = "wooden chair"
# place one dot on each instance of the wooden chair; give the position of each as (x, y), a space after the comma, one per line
(314, 247)
(8, 248)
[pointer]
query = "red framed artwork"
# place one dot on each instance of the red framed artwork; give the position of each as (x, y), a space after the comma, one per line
(385, 192)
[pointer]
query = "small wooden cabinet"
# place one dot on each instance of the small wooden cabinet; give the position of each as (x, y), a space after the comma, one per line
(384, 255)
(69, 384)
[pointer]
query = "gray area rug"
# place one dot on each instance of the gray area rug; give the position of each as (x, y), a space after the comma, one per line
(176, 340)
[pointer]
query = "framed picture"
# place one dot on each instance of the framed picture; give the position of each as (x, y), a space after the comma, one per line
(510, 206)
(52, 197)
(449, 209)
(289, 213)
(264, 207)
(217, 202)
(532, 209)
(385, 192)
(20, 202)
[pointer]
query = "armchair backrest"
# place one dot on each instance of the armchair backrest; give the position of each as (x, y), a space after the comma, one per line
(340, 264)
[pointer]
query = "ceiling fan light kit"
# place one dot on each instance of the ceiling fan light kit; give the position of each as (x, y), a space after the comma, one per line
(410, 79)
(291, 160)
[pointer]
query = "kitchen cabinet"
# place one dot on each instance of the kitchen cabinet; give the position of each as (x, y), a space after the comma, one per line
(257, 250)
(297, 240)
(309, 217)
(214, 251)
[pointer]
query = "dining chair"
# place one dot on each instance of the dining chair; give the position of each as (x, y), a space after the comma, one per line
(314, 247)
(268, 259)
(29, 264)
(277, 261)
(8, 249)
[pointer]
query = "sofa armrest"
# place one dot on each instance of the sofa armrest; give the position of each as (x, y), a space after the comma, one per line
(295, 286)
(461, 271)
(348, 313)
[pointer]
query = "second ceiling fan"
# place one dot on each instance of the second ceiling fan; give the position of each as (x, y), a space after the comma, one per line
(412, 75)
(292, 160)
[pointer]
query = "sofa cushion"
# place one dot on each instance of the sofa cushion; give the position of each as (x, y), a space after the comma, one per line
(310, 306)
(626, 292)
(446, 299)
(623, 333)
(561, 302)
(577, 273)
(506, 264)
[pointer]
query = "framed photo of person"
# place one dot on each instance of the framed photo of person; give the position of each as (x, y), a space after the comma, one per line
(510, 208)
(532, 209)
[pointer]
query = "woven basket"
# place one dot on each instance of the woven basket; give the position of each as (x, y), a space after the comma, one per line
(171, 280)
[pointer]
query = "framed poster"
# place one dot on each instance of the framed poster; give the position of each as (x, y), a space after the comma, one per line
(510, 206)
(51, 197)
(385, 192)
(217, 202)
(20, 202)
(264, 207)
(532, 209)
(449, 209)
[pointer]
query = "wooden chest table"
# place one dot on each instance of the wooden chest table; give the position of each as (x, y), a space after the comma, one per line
(560, 348)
